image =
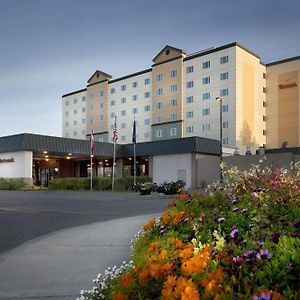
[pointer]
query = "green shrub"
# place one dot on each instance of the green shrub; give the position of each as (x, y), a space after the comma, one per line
(11, 184)
(126, 183)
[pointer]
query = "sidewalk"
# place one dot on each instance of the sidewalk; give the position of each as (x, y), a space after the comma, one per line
(59, 265)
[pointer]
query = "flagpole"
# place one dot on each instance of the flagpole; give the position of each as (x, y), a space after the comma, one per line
(92, 154)
(134, 153)
(114, 156)
(91, 171)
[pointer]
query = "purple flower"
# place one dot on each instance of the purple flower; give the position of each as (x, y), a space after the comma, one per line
(233, 199)
(248, 255)
(275, 237)
(296, 223)
(263, 254)
(244, 210)
(263, 296)
(213, 252)
(163, 229)
(234, 232)
(221, 219)
(235, 209)
(238, 260)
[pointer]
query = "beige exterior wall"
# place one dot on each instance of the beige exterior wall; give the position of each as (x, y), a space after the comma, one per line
(167, 81)
(283, 104)
(96, 106)
(250, 84)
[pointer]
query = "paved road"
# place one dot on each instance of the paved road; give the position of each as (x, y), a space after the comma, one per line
(27, 215)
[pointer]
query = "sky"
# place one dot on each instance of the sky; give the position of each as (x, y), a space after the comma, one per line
(49, 48)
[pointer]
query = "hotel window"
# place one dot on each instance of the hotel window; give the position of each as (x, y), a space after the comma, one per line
(173, 131)
(123, 87)
(190, 99)
(83, 99)
(123, 137)
(101, 117)
(146, 135)
(158, 133)
(134, 97)
(173, 117)
(112, 115)
(159, 105)
(264, 75)
(159, 119)
(123, 113)
(135, 110)
(159, 91)
(67, 124)
(135, 84)
(190, 129)
(189, 84)
(75, 133)
(75, 111)
(224, 76)
(67, 135)
(189, 114)
(224, 92)
(206, 80)
(75, 101)
(225, 141)
(147, 94)
(83, 121)
(101, 105)
(173, 73)
(123, 100)
(75, 122)
(264, 104)
(66, 113)
(101, 129)
(83, 110)
(146, 121)
(91, 96)
(112, 127)
(225, 108)
(264, 90)
(206, 96)
(112, 90)
(206, 65)
(112, 102)
(206, 111)
(67, 103)
(264, 118)
(173, 102)
(101, 93)
(147, 107)
(173, 88)
(83, 132)
(190, 69)
(159, 77)
(225, 124)
(206, 127)
(123, 125)
(224, 60)
(147, 81)
(264, 132)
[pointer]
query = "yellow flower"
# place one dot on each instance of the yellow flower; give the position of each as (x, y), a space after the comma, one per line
(220, 243)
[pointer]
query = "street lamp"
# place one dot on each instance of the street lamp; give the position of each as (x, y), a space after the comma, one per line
(221, 152)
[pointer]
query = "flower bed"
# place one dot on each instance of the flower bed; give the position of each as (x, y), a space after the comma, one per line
(239, 241)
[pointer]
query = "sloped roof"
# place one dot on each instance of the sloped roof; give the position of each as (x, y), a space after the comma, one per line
(59, 145)
(170, 48)
(99, 73)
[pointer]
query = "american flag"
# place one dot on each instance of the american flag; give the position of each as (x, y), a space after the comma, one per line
(92, 144)
(115, 132)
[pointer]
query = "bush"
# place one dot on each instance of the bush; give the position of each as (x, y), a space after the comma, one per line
(11, 184)
(238, 241)
(126, 183)
(171, 188)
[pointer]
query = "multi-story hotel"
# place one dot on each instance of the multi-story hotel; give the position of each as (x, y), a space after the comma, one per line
(176, 98)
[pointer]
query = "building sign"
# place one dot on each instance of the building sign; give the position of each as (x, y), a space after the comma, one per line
(287, 86)
(7, 160)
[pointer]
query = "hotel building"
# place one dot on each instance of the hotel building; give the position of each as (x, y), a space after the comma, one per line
(176, 98)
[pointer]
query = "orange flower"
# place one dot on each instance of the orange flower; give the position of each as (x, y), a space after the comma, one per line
(187, 252)
(212, 285)
(190, 293)
(154, 246)
(177, 216)
(143, 276)
(167, 291)
(149, 225)
(165, 217)
(177, 243)
(163, 254)
(126, 280)
(185, 197)
(118, 296)
(197, 263)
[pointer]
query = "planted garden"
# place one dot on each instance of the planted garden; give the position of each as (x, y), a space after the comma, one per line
(240, 240)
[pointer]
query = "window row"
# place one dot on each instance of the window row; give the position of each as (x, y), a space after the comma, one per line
(75, 101)
(207, 64)
(123, 87)
(206, 80)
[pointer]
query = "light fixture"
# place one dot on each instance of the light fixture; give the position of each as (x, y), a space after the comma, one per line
(45, 152)
(68, 157)
(130, 158)
(70, 154)
(46, 156)
(47, 159)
